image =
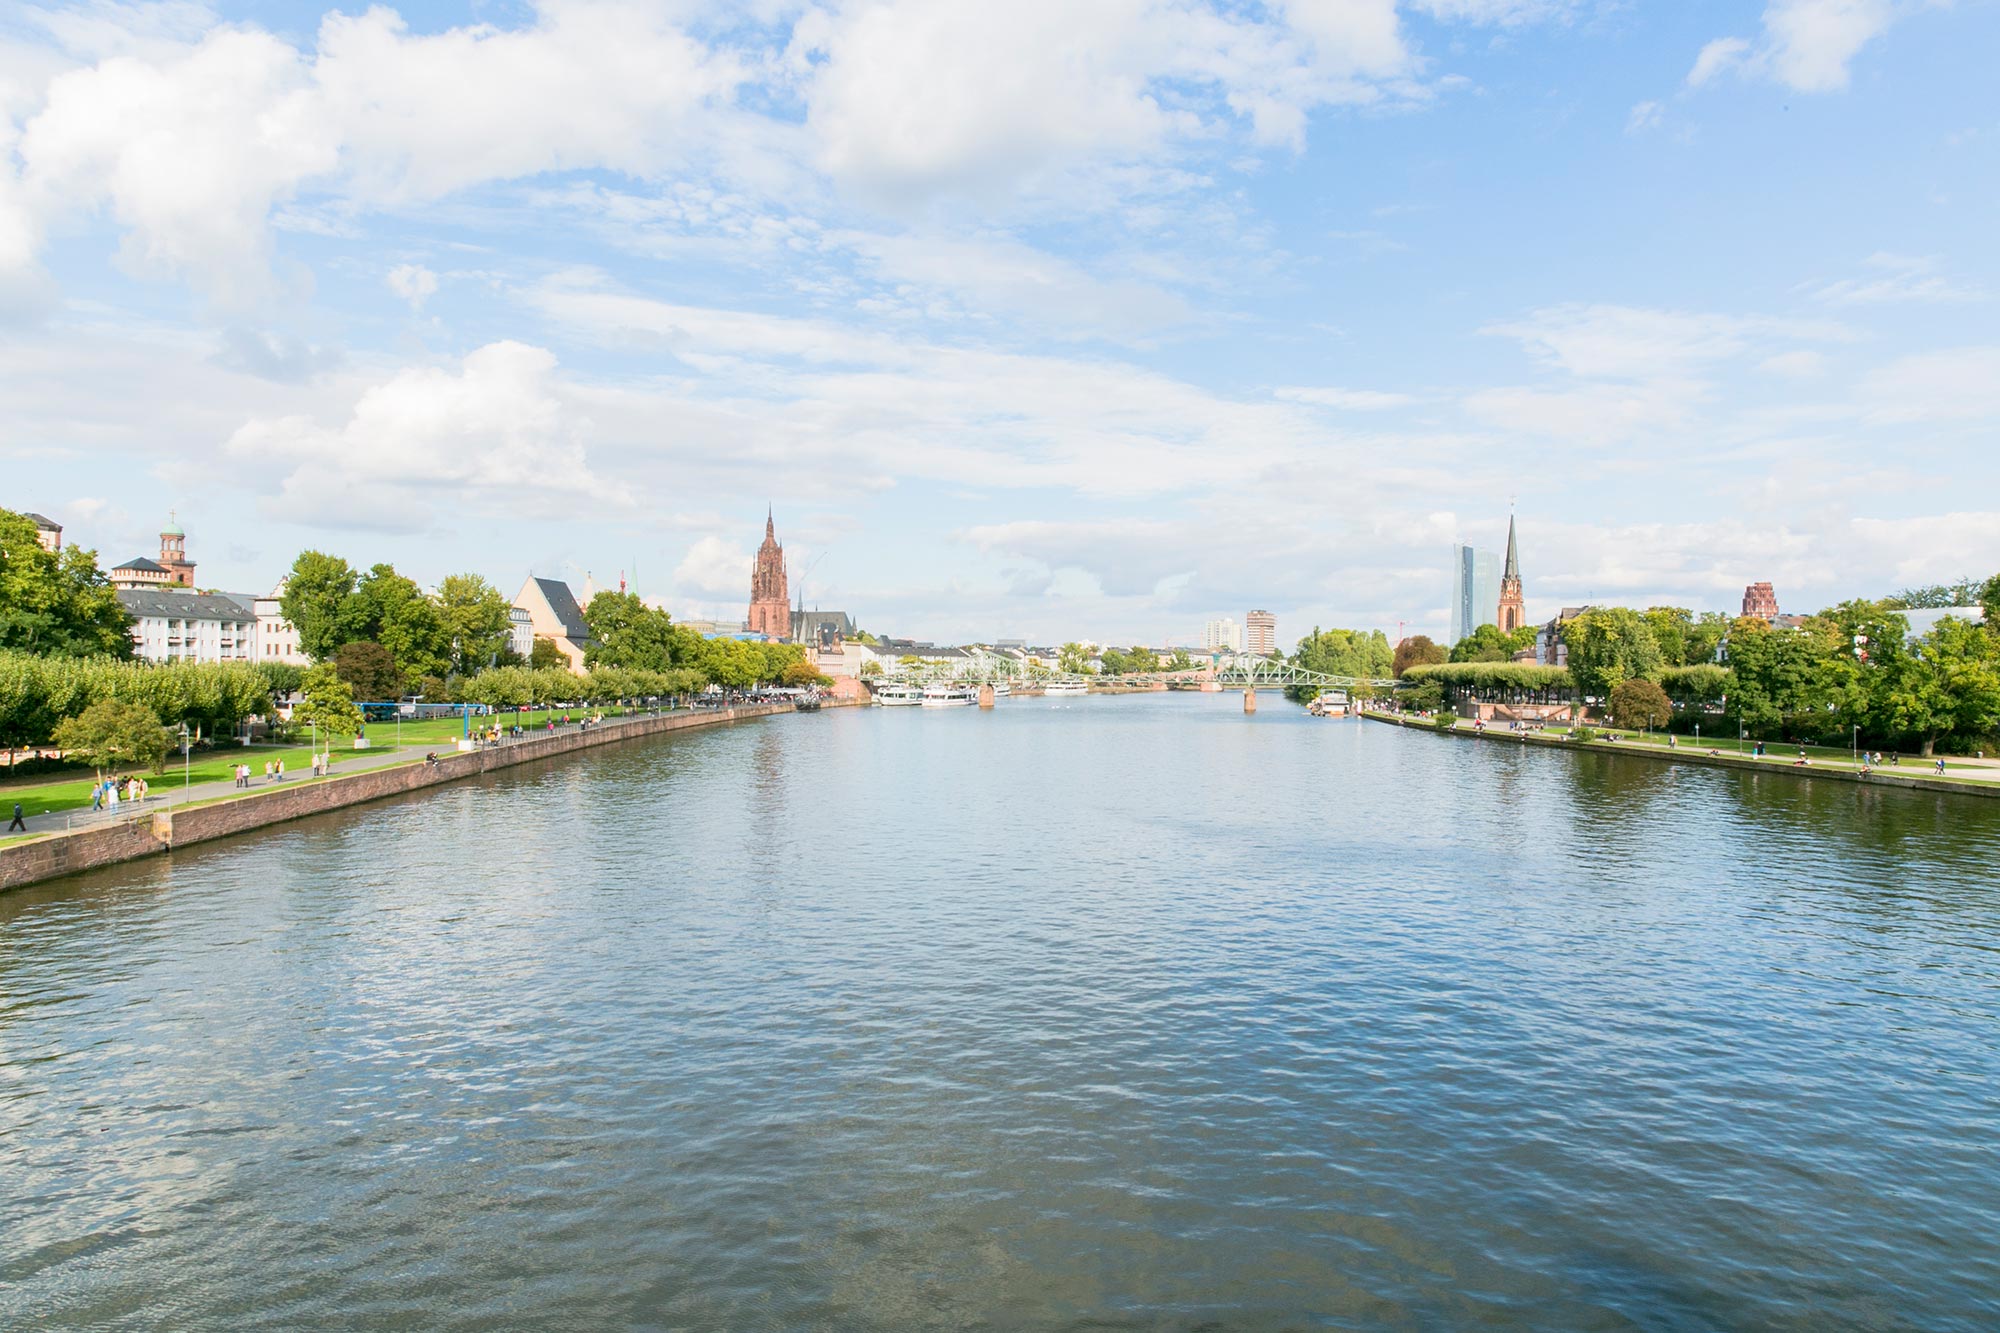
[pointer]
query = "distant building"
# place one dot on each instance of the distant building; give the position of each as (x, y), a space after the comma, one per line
(47, 531)
(1760, 601)
(520, 632)
(172, 570)
(169, 625)
(825, 630)
(1511, 613)
(1260, 634)
(1550, 650)
(554, 615)
(1475, 590)
(277, 637)
(1222, 636)
(770, 604)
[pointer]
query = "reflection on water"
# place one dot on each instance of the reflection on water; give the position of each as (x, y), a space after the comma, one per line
(1130, 1013)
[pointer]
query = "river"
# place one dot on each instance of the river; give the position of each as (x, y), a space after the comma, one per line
(1093, 1013)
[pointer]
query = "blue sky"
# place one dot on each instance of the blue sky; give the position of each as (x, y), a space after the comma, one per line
(1037, 320)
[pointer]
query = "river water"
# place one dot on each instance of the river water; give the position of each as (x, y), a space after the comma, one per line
(1095, 1013)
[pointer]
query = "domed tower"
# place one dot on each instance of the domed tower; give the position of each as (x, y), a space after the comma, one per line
(173, 554)
(1512, 613)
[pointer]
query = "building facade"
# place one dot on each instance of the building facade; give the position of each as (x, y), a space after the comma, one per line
(172, 570)
(1260, 633)
(277, 638)
(770, 603)
(554, 615)
(47, 531)
(1511, 613)
(1475, 590)
(1222, 636)
(169, 625)
(1760, 601)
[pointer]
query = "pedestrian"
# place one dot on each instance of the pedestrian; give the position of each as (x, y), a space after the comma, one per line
(281, 770)
(18, 824)
(1940, 766)
(97, 798)
(267, 770)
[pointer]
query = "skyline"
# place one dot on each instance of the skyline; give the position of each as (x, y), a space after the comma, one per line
(1181, 313)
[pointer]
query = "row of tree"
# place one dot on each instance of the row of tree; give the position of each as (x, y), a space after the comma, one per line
(38, 692)
(1853, 668)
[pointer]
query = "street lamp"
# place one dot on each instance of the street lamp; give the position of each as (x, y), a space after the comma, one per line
(186, 775)
(1854, 745)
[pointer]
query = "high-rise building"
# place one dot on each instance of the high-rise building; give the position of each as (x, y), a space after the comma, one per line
(1512, 613)
(1260, 633)
(1475, 590)
(1760, 601)
(1222, 636)
(770, 604)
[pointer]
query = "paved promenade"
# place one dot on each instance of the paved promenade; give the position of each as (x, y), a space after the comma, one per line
(170, 795)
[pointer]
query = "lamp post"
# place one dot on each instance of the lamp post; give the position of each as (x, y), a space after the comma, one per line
(186, 773)
(1854, 745)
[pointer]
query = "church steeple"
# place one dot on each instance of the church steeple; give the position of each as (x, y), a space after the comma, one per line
(1511, 613)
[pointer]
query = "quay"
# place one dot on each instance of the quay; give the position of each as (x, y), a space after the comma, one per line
(150, 833)
(1983, 785)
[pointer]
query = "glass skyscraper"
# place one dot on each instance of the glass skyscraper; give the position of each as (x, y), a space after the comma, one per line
(1475, 590)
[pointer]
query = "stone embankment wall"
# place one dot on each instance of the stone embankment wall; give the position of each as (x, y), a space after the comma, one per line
(1689, 754)
(128, 840)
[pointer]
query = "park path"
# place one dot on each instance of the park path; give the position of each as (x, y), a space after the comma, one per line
(167, 797)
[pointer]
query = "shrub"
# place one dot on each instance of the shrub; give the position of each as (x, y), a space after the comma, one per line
(1583, 734)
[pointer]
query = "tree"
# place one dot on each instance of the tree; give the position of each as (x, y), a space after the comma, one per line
(803, 672)
(476, 621)
(871, 667)
(393, 611)
(113, 734)
(1488, 643)
(545, 656)
(1965, 592)
(625, 632)
(1641, 704)
(1180, 661)
(1609, 645)
(1073, 659)
(328, 705)
(1947, 685)
(1783, 679)
(56, 603)
(369, 670)
(319, 602)
(1417, 650)
(282, 677)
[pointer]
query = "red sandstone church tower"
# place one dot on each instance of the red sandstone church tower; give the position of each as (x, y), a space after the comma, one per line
(770, 605)
(1512, 613)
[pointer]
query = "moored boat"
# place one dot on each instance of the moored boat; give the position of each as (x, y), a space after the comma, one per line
(947, 696)
(898, 696)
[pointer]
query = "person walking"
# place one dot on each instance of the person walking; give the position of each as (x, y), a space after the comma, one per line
(97, 798)
(19, 825)
(281, 770)
(1939, 770)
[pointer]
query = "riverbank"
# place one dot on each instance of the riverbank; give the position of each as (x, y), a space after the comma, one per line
(53, 855)
(1910, 776)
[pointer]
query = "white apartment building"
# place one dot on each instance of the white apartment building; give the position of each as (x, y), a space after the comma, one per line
(1222, 636)
(172, 626)
(277, 638)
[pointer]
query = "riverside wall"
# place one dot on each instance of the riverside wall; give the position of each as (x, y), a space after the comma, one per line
(128, 840)
(1688, 754)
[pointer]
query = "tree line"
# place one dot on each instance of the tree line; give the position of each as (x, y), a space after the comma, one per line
(1851, 670)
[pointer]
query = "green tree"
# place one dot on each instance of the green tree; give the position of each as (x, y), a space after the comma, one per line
(1609, 645)
(545, 656)
(1073, 659)
(328, 704)
(369, 670)
(1488, 643)
(112, 734)
(626, 632)
(1180, 661)
(1641, 704)
(393, 611)
(1965, 592)
(1415, 651)
(319, 602)
(1947, 685)
(1783, 679)
(56, 603)
(476, 622)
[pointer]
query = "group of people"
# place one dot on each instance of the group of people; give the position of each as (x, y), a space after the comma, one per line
(107, 794)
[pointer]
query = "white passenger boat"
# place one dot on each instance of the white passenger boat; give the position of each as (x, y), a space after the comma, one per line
(1002, 690)
(899, 696)
(1065, 688)
(947, 696)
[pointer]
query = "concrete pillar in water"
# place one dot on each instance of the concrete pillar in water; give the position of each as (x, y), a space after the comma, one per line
(985, 696)
(1249, 699)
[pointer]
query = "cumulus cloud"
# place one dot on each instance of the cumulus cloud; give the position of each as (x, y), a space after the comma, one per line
(1806, 45)
(494, 433)
(414, 283)
(713, 567)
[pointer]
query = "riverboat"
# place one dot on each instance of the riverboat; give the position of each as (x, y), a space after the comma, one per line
(1065, 688)
(1334, 703)
(1002, 690)
(898, 696)
(947, 696)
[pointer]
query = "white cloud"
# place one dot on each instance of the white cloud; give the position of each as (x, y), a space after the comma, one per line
(1806, 45)
(713, 567)
(1894, 279)
(1645, 116)
(1346, 400)
(494, 433)
(414, 283)
(1802, 364)
(1961, 384)
(1636, 343)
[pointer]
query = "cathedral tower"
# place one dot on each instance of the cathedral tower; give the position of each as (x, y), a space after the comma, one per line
(770, 607)
(1512, 613)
